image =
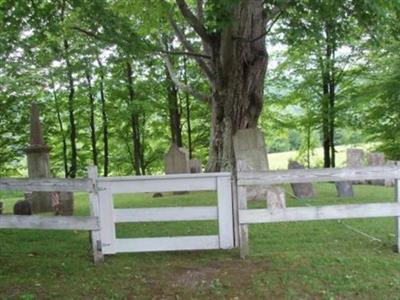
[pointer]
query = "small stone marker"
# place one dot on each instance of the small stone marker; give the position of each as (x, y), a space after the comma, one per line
(376, 159)
(157, 195)
(276, 198)
(67, 203)
(251, 155)
(195, 166)
(390, 181)
(301, 190)
(355, 159)
(344, 189)
(22, 207)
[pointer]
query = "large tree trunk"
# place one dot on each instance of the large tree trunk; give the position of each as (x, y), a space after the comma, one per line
(71, 110)
(239, 59)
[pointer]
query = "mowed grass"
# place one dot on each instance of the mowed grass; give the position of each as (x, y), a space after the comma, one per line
(302, 260)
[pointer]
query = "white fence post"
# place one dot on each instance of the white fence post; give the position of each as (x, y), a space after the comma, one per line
(107, 221)
(397, 219)
(225, 216)
(94, 211)
(243, 228)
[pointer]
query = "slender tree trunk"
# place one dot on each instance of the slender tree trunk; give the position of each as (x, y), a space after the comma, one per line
(332, 114)
(173, 110)
(135, 124)
(73, 168)
(325, 122)
(187, 106)
(92, 115)
(239, 59)
(62, 131)
(104, 118)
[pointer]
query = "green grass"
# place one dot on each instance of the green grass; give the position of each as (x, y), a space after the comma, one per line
(303, 260)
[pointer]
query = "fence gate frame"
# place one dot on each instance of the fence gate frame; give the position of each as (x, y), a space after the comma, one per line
(109, 216)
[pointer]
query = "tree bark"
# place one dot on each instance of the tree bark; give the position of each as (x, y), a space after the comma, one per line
(73, 167)
(238, 63)
(104, 118)
(135, 123)
(188, 113)
(92, 122)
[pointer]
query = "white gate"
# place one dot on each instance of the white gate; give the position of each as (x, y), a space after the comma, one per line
(109, 216)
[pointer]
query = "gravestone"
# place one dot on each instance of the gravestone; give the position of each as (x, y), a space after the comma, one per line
(176, 161)
(65, 206)
(276, 198)
(344, 189)
(22, 207)
(376, 159)
(1, 208)
(355, 159)
(251, 155)
(390, 181)
(195, 166)
(301, 190)
(38, 162)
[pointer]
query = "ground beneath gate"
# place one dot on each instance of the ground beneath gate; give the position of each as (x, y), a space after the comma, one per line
(306, 260)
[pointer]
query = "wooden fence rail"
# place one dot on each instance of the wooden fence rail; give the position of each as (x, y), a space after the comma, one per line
(329, 212)
(46, 185)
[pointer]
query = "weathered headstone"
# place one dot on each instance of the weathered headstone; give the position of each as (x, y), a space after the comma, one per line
(251, 155)
(66, 203)
(195, 166)
(38, 162)
(344, 189)
(276, 198)
(22, 207)
(376, 159)
(176, 161)
(390, 182)
(301, 190)
(355, 159)
(157, 195)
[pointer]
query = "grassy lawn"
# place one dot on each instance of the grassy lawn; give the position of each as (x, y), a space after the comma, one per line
(304, 260)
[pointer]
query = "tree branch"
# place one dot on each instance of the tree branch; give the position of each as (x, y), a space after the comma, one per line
(183, 87)
(196, 24)
(194, 54)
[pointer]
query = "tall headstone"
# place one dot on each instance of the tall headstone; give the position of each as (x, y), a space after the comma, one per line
(276, 198)
(176, 161)
(38, 162)
(301, 190)
(251, 155)
(376, 159)
(355, 159)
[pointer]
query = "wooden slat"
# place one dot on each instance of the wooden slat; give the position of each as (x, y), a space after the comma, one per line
(164, 214)
(159, 185)
(163, 177)
(107, 226)
(318, 175)
(243, 228)
(43, 222)
(167, 244)
(46, 185)
(225, 214)
(329, 212)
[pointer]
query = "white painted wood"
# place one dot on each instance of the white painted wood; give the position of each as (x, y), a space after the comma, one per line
(397, 219)
(45, 185)
(243, 227)
(165, 214)
(235, 213)
(167, 243)
(43, 222)
(329, 212)
(318, 175)
(159, 185)
(163, 177)
(107, 222)
(94, 206)
(225, 217)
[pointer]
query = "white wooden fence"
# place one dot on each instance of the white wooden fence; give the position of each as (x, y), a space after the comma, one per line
(109, 216)
(252, 216)
(104, 216)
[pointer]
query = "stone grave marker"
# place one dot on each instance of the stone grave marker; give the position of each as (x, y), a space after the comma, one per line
(376, 159)
(390, 182)
(177, 162)
(195, 166)
(22, 207)
(301, 190)
(1, 208)
(251, 155)
(355, 159)
(344, 189)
